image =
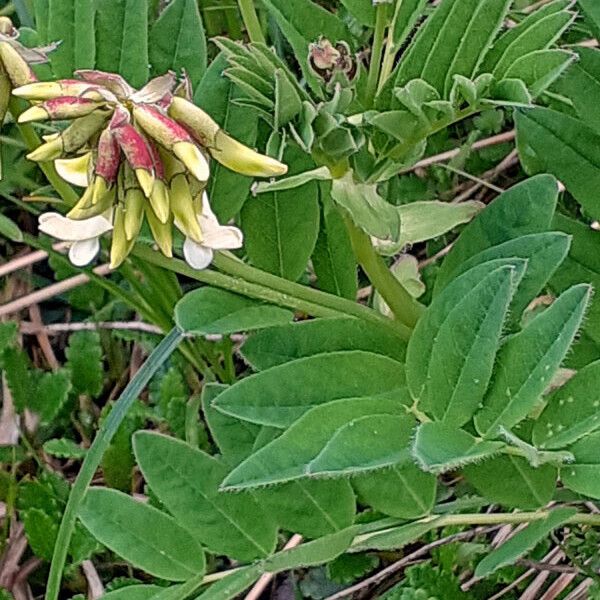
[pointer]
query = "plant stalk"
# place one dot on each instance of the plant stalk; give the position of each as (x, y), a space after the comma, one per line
(376, 53)
(250, 18)
(94, 455)
(405, 308)
(32, 141)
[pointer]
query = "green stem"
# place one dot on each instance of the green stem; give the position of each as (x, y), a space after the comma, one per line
(254, 283)
(97, 450)
(405, 308)
(376, 53)
(251, 21)
(32, 141)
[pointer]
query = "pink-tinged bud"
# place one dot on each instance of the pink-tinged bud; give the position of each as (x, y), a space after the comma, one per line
(17, 69)
(46, 90)
(159, 167)
(164, 130)
(201, 125)
(138, 155)
(111, 81)
(67, 107)
(109, 157)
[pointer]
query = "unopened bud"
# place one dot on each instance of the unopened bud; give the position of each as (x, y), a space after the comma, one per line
(108, 160)
(137, 154)
(161, 232)
(15, 65)
(182, 207)
(241, 159)
(67, 107)
(159, 200)
(202, 126)
(47, 90)
(6, 27)
(193, 159)
(85, 208)
(48, 151)
(134, 212)
(120, 246)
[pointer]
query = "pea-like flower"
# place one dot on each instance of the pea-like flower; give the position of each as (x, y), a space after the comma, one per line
(142, 155)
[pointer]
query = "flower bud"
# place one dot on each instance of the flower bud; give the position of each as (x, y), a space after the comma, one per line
(182, 207)
(138, 155)
(120, 246)
(108, 160)
(241, 159)
(111, 81)
(47, 90)
(5, 87)
(161, 232)
(195, 120)
(48, 151)
(134, 212)
(86, 208)
(15, 65)
(66, 107)
(173, 137)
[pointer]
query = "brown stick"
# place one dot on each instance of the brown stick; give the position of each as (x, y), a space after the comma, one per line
(28, 259)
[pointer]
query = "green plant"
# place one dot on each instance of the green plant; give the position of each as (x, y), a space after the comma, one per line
(463, 395)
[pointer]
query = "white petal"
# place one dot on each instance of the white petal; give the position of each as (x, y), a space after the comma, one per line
(222, 237)
(71, 230)
(83, 252)
(197, 256)
(75, 170)
(214, 235)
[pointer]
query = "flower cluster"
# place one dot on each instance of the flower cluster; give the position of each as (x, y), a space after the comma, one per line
(140, 154)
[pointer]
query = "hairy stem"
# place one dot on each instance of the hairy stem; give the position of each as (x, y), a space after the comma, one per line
(95, 453)
(405, 308)
(251, 21)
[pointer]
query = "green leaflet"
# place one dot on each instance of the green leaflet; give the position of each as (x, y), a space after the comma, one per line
(541, 68)
(362, 10)
(84, 360)
(423, 341)
(452, 42)
(544, 252)
(64, 448)
(51, 395)
(177, 41)
(583, 476)
(462, 358)
(281, 228)
(581, 84)
(582, 264)
(537, 31)
(367, 208)
(438, 448)
(310, 554)
(233, 585)
(592, 10)
(71, 22)
(310, 507)
(365, 444)
(282, 344)
(286, 457)
(186, 481)
(165, 550)
(122, 39)
(213, 311)
(396, 537)
(528, 360)
(134, 592)
(9, 229)
(333, 260)
(512, 481)
(217, 95)
(282, 394)
(525, 208)
(549, 140)
(572, 411)
(522, 542)
(303, 22)
(402, 491)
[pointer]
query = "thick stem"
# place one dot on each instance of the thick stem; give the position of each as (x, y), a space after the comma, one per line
(246, 280)
(95, 453)
(376, 52)
(32, 141)
(405, 308)
(251, 21)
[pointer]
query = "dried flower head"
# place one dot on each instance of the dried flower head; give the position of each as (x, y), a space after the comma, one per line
(140, 154)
